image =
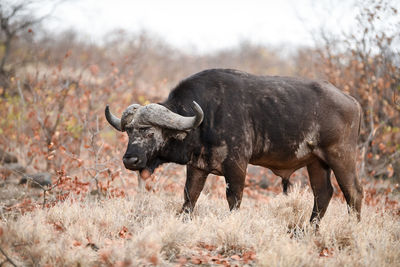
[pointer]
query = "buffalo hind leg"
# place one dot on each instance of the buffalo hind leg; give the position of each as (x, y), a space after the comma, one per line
(320, 181)
(285, 184)
(195, 180)
(235, 175)
(344, 166)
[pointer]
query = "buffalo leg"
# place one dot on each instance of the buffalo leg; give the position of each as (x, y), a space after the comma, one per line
(320, 181)
(285, 184)
(235, 175)
(344, 166)
(195, 180)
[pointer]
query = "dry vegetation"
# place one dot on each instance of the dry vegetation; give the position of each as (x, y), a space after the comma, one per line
(144, 230)
(54, 88)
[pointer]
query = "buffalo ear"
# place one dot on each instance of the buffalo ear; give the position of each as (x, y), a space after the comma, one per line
(180, 135)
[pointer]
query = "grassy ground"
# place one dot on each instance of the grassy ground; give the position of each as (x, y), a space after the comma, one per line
(144, 229)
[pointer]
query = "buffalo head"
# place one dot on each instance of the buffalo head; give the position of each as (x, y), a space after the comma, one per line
(149, 128)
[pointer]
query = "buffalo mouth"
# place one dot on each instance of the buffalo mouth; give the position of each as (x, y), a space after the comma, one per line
(144, 172)
(133, 168)
(145, 168)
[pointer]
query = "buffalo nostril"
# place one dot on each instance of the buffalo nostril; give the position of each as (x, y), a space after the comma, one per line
(130, 160)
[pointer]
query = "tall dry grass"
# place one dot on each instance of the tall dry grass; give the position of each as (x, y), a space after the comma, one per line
(144, 230)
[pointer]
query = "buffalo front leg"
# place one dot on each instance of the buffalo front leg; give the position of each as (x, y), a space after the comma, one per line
(320, 181)
(195, 180)
(235, 175)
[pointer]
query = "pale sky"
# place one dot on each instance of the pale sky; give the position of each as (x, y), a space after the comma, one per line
(207, 25)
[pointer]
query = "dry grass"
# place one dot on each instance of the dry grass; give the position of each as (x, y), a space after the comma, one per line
(145, 230)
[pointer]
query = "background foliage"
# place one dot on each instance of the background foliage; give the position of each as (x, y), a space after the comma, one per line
(54, 87)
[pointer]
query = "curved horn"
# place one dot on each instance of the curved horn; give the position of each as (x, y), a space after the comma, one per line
(199, 114)
(161, 116)
(113, 120)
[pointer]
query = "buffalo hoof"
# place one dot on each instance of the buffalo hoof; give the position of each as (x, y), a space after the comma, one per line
(185, 214)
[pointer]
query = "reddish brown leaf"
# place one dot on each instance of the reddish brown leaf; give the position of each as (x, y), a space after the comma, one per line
(94, 69)
(58, 226)
(182, 260)
(153, 259)
(249, 256)
(326, 252)
(195, 260)
(104, 255)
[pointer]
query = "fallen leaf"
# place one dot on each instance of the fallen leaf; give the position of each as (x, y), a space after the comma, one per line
(148, 187)
(154, 259)
(122, 263)
(196, 261)
(249, 255)
(325, 252)
(381, 146)
(58, 226)
(80, 162)
(235, 257)
(104, 255)
(51, 145)
(94, 69)
(390, 170)
(182, 260)
(214, 258)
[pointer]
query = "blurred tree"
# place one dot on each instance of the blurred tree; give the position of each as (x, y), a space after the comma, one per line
(365, 63)
(16, 18)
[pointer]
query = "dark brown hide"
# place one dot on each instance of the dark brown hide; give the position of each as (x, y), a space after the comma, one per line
(281, 123)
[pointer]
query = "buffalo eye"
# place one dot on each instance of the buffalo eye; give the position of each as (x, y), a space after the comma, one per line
(143, 129)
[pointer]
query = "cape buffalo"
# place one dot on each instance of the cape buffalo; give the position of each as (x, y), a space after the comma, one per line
(219, 120)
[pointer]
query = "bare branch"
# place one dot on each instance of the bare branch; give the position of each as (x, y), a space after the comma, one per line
(7, 258)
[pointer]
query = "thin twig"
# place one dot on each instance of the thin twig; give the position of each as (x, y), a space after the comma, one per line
(96, 150)
(44, 188)
(20, 93)
(7, 258)
(366, 144)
